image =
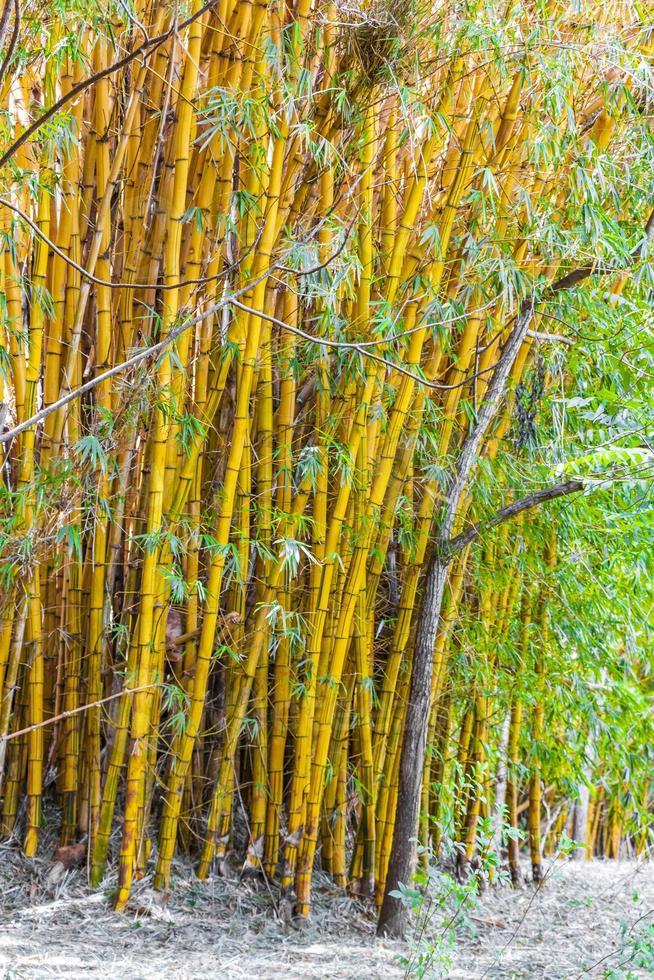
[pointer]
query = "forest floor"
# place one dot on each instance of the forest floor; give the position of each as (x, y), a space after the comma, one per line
(587, 920)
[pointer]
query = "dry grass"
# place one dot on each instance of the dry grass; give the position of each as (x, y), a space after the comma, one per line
(220, 928)
(237, 929)
(582, 923)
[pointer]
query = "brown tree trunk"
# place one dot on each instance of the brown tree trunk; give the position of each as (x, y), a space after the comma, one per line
(393, 918)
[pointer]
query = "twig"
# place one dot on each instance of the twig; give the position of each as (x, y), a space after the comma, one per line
(143, 51)
(614, 952)
(522, 918)
(14, 38)
(130, 362)
(75, 711)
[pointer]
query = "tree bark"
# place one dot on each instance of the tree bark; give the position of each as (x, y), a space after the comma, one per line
(394, 915)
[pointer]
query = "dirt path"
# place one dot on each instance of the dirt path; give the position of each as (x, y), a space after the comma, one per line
(581, 916)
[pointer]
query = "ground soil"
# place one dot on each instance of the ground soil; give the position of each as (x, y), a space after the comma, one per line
(587, 920)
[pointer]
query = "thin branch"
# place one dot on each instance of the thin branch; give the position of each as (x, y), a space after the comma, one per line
(576, 276)
(14, 37)
(75, 711)
(550, 338)
(323, 265)
(200, 281)
(360, 348)
(130, 362)
(143, 51)
(512, 510)
(107, 283)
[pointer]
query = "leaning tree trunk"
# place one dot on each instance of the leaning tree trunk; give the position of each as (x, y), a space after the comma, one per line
(393, 918)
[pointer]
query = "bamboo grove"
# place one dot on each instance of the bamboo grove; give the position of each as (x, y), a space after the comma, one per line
(260, 263)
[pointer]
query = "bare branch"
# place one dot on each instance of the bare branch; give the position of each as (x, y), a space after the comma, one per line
(14, 35)
(143, 51)
(550, 338)
(75, 711)
(512, 510)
